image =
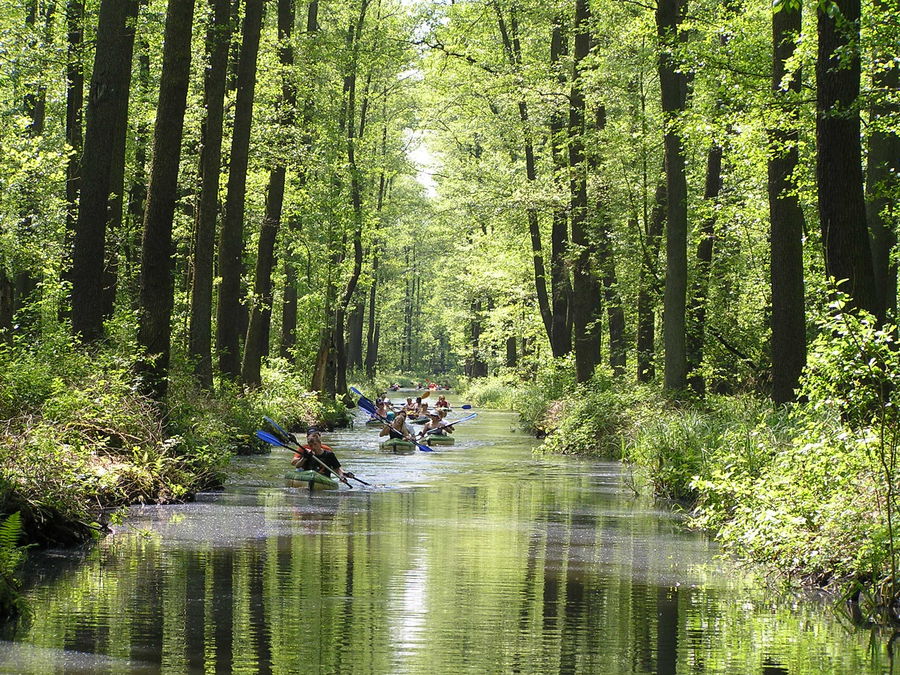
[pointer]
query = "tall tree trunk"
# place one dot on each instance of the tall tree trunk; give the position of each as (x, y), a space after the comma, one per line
(560, 286)
(261, 313)
(883, 168)
(355, 202)
(615, 313)
(649, 285)
(673, 89)
(586, 290)
(114, 230)
(218, 40)
(788, 320)
(156, 298)
(700, 287)
(355, 331)
(377, 248)
(74, 131)
(137, 193)
(108, 93)
(842, 208)
(289, 306)
(513, 50)
(231, 242)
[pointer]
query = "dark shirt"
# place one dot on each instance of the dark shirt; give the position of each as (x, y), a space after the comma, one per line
(327, 457)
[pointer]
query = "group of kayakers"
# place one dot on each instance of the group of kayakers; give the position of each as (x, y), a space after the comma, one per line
(315, 456)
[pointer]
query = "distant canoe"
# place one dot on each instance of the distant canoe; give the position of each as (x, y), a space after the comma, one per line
(438, 439)
(398, 446)
(310, 479)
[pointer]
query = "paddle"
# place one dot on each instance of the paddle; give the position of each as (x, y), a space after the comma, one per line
(452, 424)
(274, 440)
(369, 407)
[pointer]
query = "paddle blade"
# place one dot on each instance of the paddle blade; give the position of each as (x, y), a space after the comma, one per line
(426, 395)
(424, 448)
(280, 431)
(466, 407)
(270, 439)
(367, 405)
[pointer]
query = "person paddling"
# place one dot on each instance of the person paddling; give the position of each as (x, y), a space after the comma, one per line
(398, 427)
(304, 457)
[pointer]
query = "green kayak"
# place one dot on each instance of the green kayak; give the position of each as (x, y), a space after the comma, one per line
(439, 439)
(374, 422)
(421, 420)
(398, 446)
(311, 479)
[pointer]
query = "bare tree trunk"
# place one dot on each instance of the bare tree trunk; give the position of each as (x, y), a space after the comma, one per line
(560, 286)
(673, 88)
(842, 208)
(586, 290)
(261, 313)
(74, 130)
(156, 299)
(883, 169)
(231, 242)
(788, 321)
(648, 287)
(218, 40)
(108, 93)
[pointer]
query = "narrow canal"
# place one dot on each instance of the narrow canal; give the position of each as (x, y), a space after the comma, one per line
(476, 558)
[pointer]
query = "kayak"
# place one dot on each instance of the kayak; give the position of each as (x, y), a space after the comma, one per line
(439, 439)
(311, 479)
(421, 420)
(374, 422)
(398, 446)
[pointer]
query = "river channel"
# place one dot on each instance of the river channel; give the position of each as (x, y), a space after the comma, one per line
(476, 558)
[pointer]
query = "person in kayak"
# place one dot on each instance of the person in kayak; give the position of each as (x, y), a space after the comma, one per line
(303, 458)
(398, 427)
(433, 425)
(442, 403)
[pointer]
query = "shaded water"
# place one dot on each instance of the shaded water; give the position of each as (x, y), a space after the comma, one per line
(477, 558)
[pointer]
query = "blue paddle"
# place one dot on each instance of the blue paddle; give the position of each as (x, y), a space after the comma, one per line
(370, 408)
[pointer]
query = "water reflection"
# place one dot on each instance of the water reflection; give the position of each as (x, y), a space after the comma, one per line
(475, 558)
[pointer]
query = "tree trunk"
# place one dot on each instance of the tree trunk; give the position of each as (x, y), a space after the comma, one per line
(108, 93)
(788, 320)
(586, 290)
(137, 193)
(673, 89)
(512, 48)
(842, 208)
(648, 287)
(700, 287)
(114, 230)
(156, 298)
(289, 306)
(560, 286)
(261, 312)
(231, 242)
(74, 105)
(883, 169)
(218, 40)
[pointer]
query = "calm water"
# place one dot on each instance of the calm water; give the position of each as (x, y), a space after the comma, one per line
(477, 558)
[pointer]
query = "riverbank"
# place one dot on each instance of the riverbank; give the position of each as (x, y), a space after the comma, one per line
(803, 490)
(78, 441)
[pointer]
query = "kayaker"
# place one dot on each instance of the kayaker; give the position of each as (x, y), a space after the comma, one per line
(433, 423)
(442, 402)
(443, 424)
(398, 427)
(303, 458)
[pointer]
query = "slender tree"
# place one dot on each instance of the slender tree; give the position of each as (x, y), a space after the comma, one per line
(261, 312)
(231, 242)
(788, 321)
(108, 93)
(649, 286)
(673, 88)
(586, 290)
(839, 175)
(156, 287)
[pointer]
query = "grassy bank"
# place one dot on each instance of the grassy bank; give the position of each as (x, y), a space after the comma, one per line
(807, 490)
(77, 440)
